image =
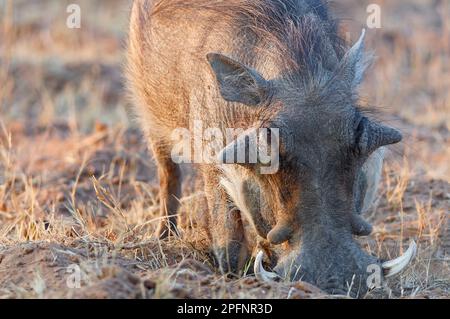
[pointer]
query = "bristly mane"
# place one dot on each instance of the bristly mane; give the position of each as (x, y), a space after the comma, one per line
(300, 32)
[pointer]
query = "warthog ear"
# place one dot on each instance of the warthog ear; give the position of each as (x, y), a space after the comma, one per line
(237, 82)
(356, 62)
(370, 136)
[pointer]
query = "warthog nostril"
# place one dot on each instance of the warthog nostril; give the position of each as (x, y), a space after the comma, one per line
(334, 286)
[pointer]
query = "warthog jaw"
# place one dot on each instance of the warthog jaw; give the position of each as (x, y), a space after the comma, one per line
(390, 268)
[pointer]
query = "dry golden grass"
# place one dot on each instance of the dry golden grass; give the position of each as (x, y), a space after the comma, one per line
(78, 187)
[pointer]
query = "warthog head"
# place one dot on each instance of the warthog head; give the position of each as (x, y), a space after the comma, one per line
(307, 208)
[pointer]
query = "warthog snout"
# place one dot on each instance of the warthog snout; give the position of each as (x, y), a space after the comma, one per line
(337, 269)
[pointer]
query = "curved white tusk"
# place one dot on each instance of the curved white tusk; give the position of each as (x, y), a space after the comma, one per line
(260, 273)
(393, 267)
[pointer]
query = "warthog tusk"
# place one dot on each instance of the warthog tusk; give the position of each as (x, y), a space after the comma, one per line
(260, 273)
(393, 267)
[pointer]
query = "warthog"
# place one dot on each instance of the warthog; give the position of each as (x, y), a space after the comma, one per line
(256, 64)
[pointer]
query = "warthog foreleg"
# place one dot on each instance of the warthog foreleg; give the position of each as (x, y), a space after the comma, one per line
(170, 190)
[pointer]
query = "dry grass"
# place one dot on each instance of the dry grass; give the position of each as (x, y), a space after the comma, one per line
(78, 188)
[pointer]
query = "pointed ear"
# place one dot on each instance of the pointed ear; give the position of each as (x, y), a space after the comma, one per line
(237, 82)
(356, 62)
